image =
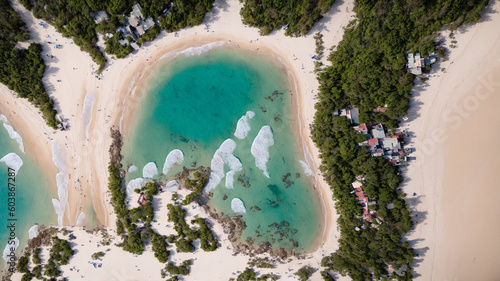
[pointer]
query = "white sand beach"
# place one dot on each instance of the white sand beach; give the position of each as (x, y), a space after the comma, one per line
(71, 81)
(451, 175)
(456, 155)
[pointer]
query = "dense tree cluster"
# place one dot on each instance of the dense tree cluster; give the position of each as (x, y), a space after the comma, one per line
(73, 18)
(198, 184)
(60, 253)
(368, 70)
(22, 69)
(186, 235)
(183, 269)
(185, 13)
(159, 246)
(268, 15)
(304, 273)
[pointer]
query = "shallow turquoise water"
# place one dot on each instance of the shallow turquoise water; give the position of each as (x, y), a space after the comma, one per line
(194, 104)
(33, 201)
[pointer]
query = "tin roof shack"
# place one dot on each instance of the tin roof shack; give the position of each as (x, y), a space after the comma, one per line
(99, 17)
(415, 63)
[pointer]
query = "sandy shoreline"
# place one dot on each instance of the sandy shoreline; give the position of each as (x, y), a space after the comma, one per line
(141, 80)
(446, 214)
(87, 158)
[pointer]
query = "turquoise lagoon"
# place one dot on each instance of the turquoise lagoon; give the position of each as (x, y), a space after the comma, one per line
(32, 198)
(194, 103)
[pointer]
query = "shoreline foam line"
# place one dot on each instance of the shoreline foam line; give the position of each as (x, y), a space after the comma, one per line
(59, 159)
(12, 133)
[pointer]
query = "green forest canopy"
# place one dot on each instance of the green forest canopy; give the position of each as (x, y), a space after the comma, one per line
(72, 18)
(268, 15)
(22, 69)
(368, 70)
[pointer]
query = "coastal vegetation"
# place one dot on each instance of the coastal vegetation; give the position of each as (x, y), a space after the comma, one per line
(98, 255)
(304, 273)
(60, 254)
(368, 70)
(183, 269)
(22, 69)
(298, 17)
(134, 224)
(74, 19)
(186, 235)
(249, 275)
(197, 184)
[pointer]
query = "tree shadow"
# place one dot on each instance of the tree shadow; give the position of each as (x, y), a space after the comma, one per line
(214, 14)
(322, 24)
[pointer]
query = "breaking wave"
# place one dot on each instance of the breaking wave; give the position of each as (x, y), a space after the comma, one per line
(133, 185)
(6, 251)
(223, 155)
(260, 148)
(243, 127)
(33, 232)
(13, 161)
(150, 170)
(202, 49)
(175, 157)
(59, 159)
(12, 133)
(81, 218)
(230, 180)
(132, 169)
(238, 206)
(306, 168)
(172, 186)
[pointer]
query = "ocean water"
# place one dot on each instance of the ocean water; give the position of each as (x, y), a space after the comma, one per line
(32, 198)
(194, 104)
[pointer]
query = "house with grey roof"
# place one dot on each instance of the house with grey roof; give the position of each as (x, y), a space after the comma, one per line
(133, 21)
(147, 24)
(140, 30)
(137, 11)
(415, 63)
(391, 144)
(378, 131)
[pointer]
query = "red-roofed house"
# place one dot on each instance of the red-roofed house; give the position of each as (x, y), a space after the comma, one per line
(373, 142)
(362, 128)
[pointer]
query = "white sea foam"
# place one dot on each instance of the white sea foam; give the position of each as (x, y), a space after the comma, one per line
(223, 155)
(59, 159)
(81, 219)
(202, 49)
(175, 157)
(260, 148)
(12, 161)
(243, 127)
(88, 105)
(7, 249)
(150, 170)
(238, 206)
(132, 169)
(33, 232)
(59, 212)
(133, 185)
(306, 168)
(216, 173)
(230, 179)
(172, 186)
(12, 133)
